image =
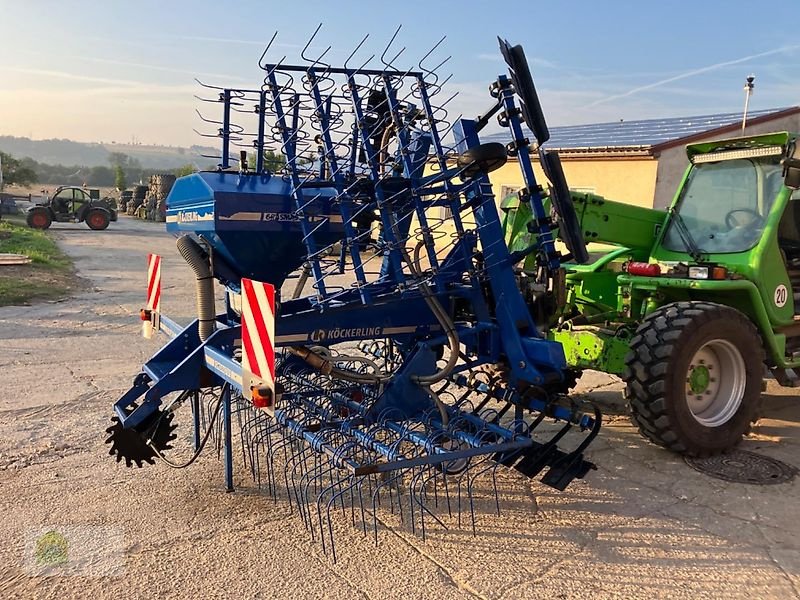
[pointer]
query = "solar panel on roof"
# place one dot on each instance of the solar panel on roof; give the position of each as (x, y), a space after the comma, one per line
(641, 133)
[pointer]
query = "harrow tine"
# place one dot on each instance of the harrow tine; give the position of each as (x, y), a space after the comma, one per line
(299, 462)
(262, 437)
(390, 482)
(330, 504)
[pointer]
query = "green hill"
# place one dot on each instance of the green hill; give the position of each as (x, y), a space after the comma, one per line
(68, 152)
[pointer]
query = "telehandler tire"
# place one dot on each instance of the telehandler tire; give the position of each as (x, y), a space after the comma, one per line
(693, 377)
(39, 218)
(97, 219)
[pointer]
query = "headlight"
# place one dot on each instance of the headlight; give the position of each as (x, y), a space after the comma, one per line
(708, 272)
(698, 272)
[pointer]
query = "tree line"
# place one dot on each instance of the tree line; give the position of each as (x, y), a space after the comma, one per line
(122, 171)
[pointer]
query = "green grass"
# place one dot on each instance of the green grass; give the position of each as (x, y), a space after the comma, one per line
(16, 291)
(50, 274)
(18, 239)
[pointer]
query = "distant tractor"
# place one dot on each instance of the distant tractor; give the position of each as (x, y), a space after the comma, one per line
(72, 205)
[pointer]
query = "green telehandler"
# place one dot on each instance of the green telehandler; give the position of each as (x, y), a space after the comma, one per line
(693, 306)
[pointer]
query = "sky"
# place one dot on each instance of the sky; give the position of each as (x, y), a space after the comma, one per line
(124, 70)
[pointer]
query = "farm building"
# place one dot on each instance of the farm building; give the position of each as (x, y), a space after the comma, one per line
(640, 162)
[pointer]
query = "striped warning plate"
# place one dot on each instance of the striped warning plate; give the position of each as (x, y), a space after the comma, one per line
(154, 282)
(258, 335)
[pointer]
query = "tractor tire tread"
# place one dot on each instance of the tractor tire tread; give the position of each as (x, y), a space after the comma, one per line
(647, 367)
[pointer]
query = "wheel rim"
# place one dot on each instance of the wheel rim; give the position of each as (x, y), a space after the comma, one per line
(97, 220)
(715, 383)
(39, 220)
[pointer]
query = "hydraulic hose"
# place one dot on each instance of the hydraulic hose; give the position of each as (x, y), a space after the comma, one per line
(197, 259)
(441, 315)
(325, 365)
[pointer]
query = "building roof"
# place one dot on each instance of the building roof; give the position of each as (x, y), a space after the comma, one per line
(648, 135)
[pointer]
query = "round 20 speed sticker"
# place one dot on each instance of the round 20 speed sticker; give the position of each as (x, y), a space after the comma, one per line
(781, 296)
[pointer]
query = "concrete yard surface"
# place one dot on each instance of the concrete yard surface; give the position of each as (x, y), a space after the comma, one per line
(643, 525)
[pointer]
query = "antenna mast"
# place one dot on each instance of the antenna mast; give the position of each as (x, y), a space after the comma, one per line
(748, 90)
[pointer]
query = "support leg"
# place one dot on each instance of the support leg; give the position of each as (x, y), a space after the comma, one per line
(196, 418)
(228, 459)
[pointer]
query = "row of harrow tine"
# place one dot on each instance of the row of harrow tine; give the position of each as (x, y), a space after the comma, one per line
(316, 111)
(317, 472)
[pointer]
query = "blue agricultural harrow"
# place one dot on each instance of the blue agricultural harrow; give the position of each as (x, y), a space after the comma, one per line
(374, 347)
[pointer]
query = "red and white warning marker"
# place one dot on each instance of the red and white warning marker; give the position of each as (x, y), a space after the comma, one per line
(152, 312)
(258, 342)
(154, 282)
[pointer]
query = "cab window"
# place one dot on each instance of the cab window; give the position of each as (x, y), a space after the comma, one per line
(789, 227)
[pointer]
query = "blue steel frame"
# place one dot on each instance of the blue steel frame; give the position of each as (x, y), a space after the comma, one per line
(382, 308)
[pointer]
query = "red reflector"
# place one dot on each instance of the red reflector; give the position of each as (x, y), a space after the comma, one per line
(644, 269)
(260, 402)
(262, 397)
(144, 314)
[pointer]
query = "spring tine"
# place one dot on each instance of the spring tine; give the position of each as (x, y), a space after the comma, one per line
(353, 53)
(252, 431)
(264, 434)
(432, 477)
(361, 505)
(286, 441)
(298, 462)
(389, 481)
(389, 45)
(437, 473)
(412, 499)
(352, 482)
(418, 497)
(266, 50)
(491, 466)
(332, 502)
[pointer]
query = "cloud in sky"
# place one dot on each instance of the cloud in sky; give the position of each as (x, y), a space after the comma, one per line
(69, 76)
(692, 73)
(140, 65)
(235, 41)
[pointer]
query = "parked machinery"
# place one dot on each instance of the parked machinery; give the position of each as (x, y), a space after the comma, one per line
(139, 192)
(125, 197)
(72, 204)
(368, 376)
(695, 305)
(160, 187)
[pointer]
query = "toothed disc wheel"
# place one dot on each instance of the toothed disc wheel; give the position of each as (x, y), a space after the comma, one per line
(132, 444)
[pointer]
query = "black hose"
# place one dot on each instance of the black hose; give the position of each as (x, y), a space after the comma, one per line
(202, 445)
(197, 259)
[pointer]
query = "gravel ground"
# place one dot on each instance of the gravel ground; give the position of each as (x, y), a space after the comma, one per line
(644, 525)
